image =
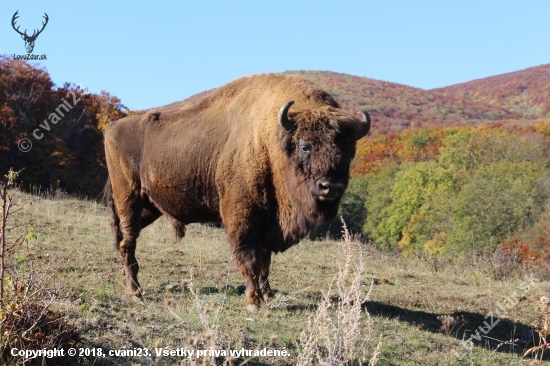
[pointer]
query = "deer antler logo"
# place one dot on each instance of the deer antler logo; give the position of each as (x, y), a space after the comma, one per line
(29, 40)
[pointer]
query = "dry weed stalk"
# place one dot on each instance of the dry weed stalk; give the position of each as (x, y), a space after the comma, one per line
(211, 330)
(449, 322)
(336, 335)
(209, 338)
(8, 205)
(542, 332)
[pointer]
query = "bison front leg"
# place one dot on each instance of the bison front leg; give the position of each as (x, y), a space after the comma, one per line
(267, 294)
(249, 261)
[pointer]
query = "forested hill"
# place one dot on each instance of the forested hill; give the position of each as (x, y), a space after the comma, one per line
(396, 106)
(525, 92)
(517, 98)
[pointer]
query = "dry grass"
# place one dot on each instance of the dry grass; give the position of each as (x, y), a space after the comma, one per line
(194, 298)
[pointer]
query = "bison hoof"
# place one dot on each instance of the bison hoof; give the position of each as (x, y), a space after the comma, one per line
(137, 294)
(135, 291)
(252, 308)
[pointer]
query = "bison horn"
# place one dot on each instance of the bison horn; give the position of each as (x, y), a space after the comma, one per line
(284, 122)
(365, 126)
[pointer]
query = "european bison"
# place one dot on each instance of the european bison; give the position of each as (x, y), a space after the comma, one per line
(267, 155)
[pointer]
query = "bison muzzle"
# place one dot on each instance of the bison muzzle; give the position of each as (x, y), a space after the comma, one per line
(268, 156)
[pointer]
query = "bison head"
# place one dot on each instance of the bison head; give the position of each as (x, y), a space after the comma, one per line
(320, 144)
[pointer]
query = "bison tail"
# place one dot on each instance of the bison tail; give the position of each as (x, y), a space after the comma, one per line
(115, 220)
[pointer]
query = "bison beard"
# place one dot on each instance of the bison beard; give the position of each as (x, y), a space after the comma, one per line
(268, 156)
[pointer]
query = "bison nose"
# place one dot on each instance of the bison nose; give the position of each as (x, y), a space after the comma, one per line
(327, 190)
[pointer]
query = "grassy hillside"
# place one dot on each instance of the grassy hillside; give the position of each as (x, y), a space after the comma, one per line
(75, 246)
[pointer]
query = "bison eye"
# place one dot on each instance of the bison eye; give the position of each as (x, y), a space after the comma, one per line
(304, 150)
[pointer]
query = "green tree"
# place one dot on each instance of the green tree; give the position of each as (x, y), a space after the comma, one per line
(499, 200)
(377, 198)
(411, 198)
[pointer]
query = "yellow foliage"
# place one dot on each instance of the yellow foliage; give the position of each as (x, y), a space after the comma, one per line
(543, 128)
(405, 241)
(435, 245)
(409, 237)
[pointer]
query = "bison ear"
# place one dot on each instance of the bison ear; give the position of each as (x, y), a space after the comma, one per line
(287, 124)
(364, 127)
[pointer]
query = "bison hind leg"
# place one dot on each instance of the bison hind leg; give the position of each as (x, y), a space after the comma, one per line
(115, 219)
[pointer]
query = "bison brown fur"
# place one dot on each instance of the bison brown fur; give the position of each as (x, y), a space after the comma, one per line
(267, 155)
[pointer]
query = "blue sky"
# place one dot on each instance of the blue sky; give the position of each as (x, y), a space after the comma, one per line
(154, 53)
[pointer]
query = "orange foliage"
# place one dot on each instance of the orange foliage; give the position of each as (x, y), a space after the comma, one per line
(413, 145)
(522, 248)
(539, 253)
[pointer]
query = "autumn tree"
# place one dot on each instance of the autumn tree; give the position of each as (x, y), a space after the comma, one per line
(65, 125)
